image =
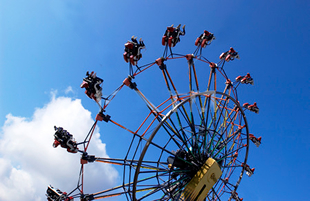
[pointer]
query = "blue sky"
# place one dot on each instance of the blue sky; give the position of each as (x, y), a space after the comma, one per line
(49, 45)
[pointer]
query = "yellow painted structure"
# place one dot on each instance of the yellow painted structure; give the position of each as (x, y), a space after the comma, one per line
(199, 186)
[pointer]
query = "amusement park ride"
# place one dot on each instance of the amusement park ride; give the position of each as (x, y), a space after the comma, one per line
(194, 145)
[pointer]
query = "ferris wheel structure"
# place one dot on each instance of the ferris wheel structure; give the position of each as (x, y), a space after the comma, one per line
(194, 145)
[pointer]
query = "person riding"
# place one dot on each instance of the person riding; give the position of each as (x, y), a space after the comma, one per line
(172, 35)
(252, 108)
(255, 140)
(92, 85)
(247, 79)
(57, 195)
(204, 39)
(132, 50)
(231, 54)
(65, 140)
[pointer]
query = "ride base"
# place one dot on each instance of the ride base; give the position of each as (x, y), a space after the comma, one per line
(200, 185)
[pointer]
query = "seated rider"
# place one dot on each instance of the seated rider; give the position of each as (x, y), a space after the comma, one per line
(92, 85)
(249, 171)
(252, 107)
(231, 54)
(172, 35)
(255, 140)
(56, 195)
(65, 140)
(247, 79)
(133, 49)
(204, 39)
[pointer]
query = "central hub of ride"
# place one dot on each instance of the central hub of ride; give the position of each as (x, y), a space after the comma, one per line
(199, 186)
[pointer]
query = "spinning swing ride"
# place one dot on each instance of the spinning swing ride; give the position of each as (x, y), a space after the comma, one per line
(194, 145)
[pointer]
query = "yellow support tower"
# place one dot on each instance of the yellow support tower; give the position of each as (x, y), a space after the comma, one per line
(198, 188)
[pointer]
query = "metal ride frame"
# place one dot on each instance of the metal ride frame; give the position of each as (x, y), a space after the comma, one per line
(178, 136)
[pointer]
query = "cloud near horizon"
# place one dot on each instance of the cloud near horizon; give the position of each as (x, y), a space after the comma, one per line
(29, 162)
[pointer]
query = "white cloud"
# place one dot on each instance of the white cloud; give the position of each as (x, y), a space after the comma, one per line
(68, 90)
(29, 162)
